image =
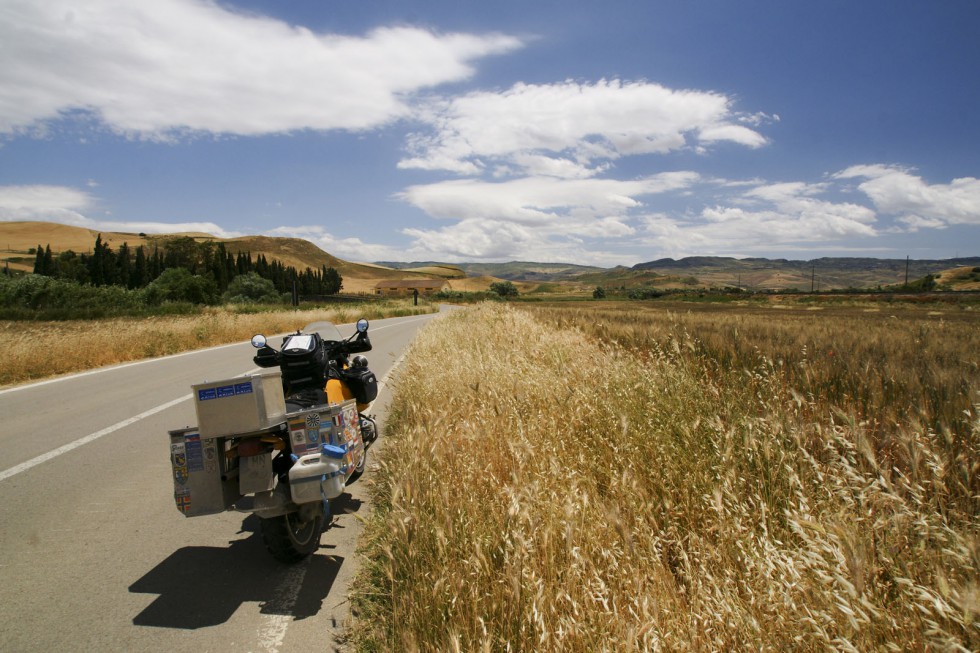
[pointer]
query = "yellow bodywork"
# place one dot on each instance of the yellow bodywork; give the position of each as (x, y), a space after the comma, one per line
(337, 392)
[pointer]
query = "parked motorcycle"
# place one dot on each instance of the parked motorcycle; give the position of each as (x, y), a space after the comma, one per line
(282, 443)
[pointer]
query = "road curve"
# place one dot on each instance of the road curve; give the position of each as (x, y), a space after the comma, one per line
(96, 556)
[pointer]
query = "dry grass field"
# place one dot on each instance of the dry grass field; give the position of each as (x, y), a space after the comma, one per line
(35, 350)
(614, 478)
(483, 283)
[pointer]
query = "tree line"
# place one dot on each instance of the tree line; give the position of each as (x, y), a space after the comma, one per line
(137, 268)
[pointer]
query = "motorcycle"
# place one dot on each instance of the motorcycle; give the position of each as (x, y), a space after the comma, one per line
(281, 444)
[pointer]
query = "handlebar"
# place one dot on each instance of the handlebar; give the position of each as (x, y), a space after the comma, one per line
(337, 350)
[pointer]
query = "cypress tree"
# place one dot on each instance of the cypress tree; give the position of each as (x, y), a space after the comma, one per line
(39, 260)
(124, 266)
(332, 282)
(96, 269)
(140, 276)
(48, 266)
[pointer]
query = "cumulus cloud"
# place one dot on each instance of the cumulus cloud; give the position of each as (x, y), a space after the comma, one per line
(540, 200)
(39, 198)
(44, 203)
(349, 249)
(781, 215)
(66, 205)
(158, 68)
(477, 239)
(601, 219)
(577, 124)
(895, 190)
(532, 215)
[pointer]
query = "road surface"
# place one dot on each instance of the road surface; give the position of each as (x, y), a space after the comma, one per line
(96, 557)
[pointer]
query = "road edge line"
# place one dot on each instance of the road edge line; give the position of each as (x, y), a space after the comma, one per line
(71, 446)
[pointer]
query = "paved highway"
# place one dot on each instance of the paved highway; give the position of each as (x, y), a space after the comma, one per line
(95, 556)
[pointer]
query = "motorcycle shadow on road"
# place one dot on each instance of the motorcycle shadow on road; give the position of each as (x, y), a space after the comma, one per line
(202, 586)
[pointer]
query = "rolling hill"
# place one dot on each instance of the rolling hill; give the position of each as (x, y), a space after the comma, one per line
(510, 271)
(818, 274)
(18, 238)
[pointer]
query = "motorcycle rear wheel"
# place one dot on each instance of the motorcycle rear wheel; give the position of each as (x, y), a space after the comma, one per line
(289, 539)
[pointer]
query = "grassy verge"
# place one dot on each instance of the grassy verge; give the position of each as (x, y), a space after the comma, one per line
(35, 350)
(542, 491)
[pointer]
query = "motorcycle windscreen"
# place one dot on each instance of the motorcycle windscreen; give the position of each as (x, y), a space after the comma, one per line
(327, 330)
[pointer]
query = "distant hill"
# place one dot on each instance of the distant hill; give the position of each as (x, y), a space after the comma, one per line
(18, 238)
(630, 278)
(439, 270)
(510, 271)
(821, 274)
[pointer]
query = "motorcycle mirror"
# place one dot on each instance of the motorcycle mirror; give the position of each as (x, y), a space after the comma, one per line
(258, 341)
(362, 325)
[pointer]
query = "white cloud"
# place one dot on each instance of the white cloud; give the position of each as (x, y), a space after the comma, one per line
(476, 239)
(45, 203)
(163, 67)
(66, 205)
(914, 223)
(161, 227)
(575, 123)
(768, 216)
(733, 133)
(786, 192)
(348, 249)
(531, 216)
(540, 200)
(36, 199)
(895, 190)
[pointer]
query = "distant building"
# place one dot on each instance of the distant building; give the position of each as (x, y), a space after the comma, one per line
(409, 286)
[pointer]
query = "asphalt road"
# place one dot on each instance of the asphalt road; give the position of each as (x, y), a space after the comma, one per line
(94, 556)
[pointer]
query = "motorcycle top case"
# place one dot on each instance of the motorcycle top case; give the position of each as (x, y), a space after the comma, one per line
(241, 405)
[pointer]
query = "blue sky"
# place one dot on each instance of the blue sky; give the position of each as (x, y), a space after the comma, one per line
(589, 132)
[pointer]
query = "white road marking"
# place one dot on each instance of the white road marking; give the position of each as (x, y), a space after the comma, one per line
(272, 632)
(34, 462)
(384, 381)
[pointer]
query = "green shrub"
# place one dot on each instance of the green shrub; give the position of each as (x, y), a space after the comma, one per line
(251, 289)
(504, 289)
(32, 296)
(179, 285)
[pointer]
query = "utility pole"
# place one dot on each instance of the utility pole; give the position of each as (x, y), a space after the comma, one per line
(813, 277)
(906, 271)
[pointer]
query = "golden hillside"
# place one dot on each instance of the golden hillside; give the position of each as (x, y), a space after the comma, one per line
(482, 284)
(18, 238)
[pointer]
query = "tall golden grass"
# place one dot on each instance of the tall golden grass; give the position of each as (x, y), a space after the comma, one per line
(542, 489)
(35, 350)
(889, 366)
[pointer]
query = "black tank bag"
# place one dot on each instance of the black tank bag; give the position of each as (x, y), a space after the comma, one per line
(362, 382)
(304, 362)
